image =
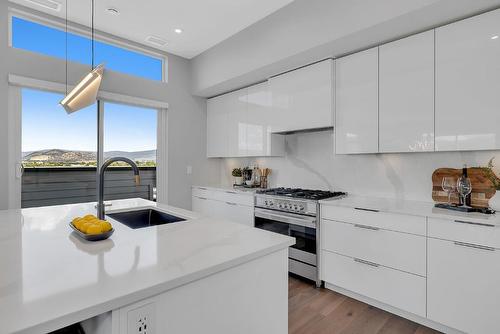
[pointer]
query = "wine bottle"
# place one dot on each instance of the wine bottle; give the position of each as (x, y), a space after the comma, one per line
(468, 199)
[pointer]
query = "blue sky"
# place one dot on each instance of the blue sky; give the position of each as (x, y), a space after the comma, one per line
(45, 123)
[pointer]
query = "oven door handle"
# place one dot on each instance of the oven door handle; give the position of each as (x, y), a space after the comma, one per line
(284, 218)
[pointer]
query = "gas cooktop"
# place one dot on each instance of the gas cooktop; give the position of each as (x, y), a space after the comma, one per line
(314, 195)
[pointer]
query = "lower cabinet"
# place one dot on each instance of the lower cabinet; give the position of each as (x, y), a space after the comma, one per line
(389, 286)
(372, 254)
(224, 205)
(462, 283)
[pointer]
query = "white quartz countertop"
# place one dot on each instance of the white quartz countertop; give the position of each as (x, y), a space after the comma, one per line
(50, 278)
(239, 190)
(415, 208)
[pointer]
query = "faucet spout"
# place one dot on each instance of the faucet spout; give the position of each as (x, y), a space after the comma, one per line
(105, 165)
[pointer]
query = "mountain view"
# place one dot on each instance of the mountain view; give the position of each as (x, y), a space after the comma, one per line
(69, 158)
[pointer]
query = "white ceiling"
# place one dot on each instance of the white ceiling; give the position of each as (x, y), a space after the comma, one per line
(205, 23)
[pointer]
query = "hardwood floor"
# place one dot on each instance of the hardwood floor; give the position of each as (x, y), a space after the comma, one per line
(321, 311)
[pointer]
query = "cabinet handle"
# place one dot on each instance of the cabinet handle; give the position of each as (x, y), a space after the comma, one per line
(363, 209)
(371, 264)
(203, 198)
(231, 192)
(473, 223)
(202, 188)
(229, 203)
(465, 244)
(366, 227)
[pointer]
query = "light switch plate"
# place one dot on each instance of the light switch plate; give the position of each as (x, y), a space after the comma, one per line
(189, 170)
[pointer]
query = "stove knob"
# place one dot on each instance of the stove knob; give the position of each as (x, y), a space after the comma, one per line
(266, 203)
(271, 203)
(295, 207)
(301, 208)
(280, 206)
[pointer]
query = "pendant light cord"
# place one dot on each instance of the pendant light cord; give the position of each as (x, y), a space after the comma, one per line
(92, 34)
(66, 46)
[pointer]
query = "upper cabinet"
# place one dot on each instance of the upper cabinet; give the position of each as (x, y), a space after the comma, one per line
(259, 137)
(356, 103)
(302, 99)
(237, 124)
(406, 94)
(216, 125)
(468, 84)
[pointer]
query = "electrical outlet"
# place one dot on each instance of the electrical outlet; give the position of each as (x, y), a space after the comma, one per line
(189, 170)
(141, 320)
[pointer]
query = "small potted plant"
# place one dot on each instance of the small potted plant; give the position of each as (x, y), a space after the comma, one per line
(238, 176)
(494, 202)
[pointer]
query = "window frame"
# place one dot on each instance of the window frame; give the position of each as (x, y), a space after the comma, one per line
(98, 36)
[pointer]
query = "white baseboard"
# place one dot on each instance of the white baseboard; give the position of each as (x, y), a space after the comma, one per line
(410, 316)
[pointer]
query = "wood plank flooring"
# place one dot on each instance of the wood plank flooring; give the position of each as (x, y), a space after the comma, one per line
(321, 311)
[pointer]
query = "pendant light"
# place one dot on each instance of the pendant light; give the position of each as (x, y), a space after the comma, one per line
(85, 92)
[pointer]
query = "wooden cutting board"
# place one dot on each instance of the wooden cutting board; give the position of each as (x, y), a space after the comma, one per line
(482, 187)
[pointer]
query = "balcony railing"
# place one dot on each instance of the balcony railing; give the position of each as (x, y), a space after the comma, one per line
(66, 185)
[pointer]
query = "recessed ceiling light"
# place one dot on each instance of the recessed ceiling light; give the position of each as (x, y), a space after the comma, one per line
(158, 41)
(113, 11)
(178, 30)
(49, 4)
(494, 37)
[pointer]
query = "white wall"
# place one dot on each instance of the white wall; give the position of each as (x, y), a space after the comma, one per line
(309, 30)
(186, 113)
(310, 163)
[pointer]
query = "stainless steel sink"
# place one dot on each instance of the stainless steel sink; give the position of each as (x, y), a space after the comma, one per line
(144, 218)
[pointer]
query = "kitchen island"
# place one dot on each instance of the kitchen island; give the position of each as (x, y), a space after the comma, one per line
(201, 275)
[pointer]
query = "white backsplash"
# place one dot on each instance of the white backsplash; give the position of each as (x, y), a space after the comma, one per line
(310, 163)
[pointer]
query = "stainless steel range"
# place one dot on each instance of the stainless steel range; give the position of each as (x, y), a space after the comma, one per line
(294, 212)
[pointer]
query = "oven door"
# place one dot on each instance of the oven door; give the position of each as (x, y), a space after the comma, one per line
(302, 228)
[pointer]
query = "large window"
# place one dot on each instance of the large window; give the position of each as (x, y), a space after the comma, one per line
(60, 151)
(50, 41)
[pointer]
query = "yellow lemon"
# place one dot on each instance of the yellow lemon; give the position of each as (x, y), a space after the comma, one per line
(89, 217)
(94, 229)
(105, 225)
(85, 226)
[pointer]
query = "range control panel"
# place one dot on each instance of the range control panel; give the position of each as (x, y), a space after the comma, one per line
(296, 206)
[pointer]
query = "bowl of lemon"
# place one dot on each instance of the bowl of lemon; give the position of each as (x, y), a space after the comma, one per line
(91, 228)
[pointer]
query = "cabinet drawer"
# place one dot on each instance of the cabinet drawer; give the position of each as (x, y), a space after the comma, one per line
(402, 251)
(462, 287)
(372, 217)
(234, 197)
(465, 231)
(389, 286)
(222, 195)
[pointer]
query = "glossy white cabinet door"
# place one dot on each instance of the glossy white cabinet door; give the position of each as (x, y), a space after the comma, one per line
(468, 84)
(356, 103)
(236, 109)
(302, 99)
(462, 287)
(216, 127)
(260, 139)
(406, 93)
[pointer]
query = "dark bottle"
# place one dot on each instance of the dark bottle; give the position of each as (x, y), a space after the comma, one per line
(468, 200)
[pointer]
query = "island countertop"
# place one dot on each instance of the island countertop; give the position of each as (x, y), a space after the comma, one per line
(49, 278)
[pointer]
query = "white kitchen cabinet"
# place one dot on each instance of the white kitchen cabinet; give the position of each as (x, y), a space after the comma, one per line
(260, 141)
(386, 285)
(468, 84)
(462, 286)
(406, 94)
(216, 127)
(224, 204)
(303, 98)
(236, 126)
(356, 103)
